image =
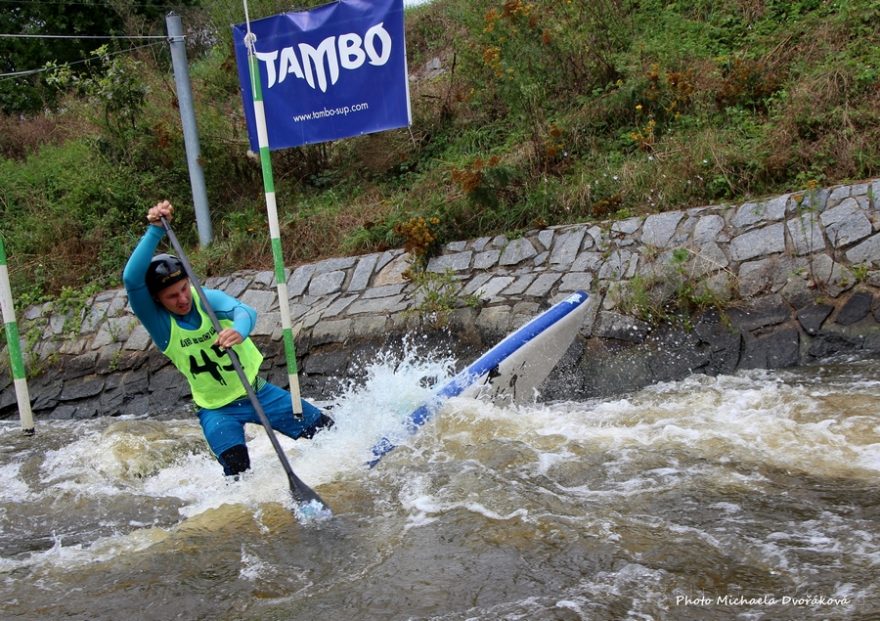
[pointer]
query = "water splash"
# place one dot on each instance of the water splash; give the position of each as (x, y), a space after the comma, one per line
(763, 480)
(312, 512)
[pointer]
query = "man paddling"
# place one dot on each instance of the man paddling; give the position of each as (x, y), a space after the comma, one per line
(161, 296)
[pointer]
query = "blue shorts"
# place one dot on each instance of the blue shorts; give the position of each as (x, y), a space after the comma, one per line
(224, 427)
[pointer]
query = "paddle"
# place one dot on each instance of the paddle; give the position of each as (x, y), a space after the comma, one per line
(301, 492)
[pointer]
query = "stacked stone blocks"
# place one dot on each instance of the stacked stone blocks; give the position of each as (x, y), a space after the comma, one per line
(808, 261)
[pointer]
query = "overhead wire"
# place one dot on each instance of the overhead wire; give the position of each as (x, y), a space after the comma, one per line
(26, 72)
(18, 74)
(107, 4)
(40, 36)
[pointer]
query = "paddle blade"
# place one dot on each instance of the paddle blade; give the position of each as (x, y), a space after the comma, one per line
(312, 511)
(309, 505)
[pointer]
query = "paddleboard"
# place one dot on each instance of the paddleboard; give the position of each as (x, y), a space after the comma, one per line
(511, 371)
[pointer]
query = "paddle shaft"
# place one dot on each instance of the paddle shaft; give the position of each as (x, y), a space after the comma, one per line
(300, 491)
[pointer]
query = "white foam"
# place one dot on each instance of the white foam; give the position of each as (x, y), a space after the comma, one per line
(251, 566)
(704, 423)
(13, 488)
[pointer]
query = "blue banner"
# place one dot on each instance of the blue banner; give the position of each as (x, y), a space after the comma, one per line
(335, 71)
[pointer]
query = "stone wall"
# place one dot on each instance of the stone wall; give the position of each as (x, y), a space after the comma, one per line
(773, 283)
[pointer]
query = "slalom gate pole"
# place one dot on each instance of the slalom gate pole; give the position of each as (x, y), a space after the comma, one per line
(12, 342)
(274, 227)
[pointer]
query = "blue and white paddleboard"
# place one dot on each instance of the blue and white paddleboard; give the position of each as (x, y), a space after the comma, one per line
(513, 369)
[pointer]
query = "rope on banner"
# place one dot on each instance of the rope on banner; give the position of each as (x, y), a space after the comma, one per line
(272, 210)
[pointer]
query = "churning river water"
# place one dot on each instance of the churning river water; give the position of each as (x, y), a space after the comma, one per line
(748, 496)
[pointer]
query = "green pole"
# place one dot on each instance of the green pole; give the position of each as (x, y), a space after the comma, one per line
(274, 227)
(12, 342)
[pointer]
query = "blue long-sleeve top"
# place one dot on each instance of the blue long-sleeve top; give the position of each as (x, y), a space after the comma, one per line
(155, 317)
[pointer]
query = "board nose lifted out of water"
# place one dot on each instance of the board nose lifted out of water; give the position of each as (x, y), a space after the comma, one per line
(510, 371)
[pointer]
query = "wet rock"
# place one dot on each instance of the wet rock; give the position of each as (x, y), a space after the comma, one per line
(63, 412)
(336, 331)
(74, 390)
(369, 327)
(332, 361)
(494, 321)
(779, 349)
(721, 339)
(856, 308)
(830, 277)
(621, 327)
(770, 311)
(805, 254)
(85, 411)
(136, 407)
(166, 380)
(46, 395)
(79, 366)
(813, 316)
(827, 344)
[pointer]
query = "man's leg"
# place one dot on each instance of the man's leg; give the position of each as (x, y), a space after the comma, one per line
(235, 460)
(277, 405)
(225, 436)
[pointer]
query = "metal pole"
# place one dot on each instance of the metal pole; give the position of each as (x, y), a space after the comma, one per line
(190, 131)
(12, 342)
(274, 227)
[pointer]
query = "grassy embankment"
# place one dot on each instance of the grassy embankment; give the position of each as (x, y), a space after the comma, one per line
(543, 113)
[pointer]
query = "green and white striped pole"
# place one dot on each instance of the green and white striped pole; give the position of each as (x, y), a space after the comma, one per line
(12, 342)
(274, 227)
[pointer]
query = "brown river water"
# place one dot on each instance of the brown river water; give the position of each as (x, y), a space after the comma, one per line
(751, 496)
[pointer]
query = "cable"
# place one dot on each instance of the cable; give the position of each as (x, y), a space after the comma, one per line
(37, 36)
(96, 4)
(18, 74)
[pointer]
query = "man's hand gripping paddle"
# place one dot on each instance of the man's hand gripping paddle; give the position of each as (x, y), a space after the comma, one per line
(310, 504)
